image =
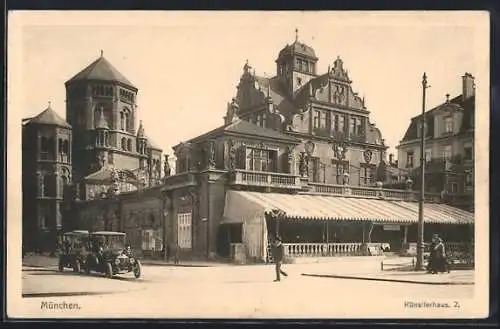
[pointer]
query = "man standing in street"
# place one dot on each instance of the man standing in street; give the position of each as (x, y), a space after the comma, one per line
(278, 254)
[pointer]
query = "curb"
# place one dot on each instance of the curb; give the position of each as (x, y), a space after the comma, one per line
(388, 280)
(176, 265)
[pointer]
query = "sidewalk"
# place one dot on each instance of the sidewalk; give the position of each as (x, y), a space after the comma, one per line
(393, 270)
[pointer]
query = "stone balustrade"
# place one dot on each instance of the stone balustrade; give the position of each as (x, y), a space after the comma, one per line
(371, 192)
(322, 249)
(265, 179)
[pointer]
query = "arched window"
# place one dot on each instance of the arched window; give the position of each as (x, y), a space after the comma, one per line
(127, 121)
(122, 121)
(44, 148)
(47, 185)
(124, 143)
(129, 145)
(264, 118)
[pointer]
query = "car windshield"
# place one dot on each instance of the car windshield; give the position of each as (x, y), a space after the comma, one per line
(112, 241)
(77, 241)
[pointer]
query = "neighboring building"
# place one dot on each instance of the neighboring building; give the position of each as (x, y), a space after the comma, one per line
(46, 174)
(98, 152)
(449, 147)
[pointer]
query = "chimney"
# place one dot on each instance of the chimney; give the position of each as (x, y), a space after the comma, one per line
(468, 86)
(391, 158)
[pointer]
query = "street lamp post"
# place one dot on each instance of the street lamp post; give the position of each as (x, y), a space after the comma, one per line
(420, 240)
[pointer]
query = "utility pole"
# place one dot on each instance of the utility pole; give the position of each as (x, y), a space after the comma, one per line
(420, 241)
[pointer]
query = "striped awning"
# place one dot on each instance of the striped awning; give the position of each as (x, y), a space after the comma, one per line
(241, 205)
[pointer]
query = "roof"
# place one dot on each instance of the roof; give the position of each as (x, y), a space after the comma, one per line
(140, 130)
(104, 175)
(49, 117)
(77, 232)
(152, 145)
(298, 48)
(101, 69)
(273, 88)
(241, 205)
(468, 106)
(243, 127)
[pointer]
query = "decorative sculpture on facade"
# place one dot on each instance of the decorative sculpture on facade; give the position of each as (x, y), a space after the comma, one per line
(166, 168)
(232, 156)
(303, 164)
(211, 155)
(340, 150)
(368, 154)
(309, 147)
(289, 158)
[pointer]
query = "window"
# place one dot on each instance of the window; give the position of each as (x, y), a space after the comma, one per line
(129, 145)
(261, 160)
(359, 126)
(264, 118)
(317, 116)
(339, 168)
(44, 148)
(447, 153)
(184, 230)
(314, 169)
(448, 125)
(468, 153)
(323, 121)
(409, 159)
(352, 126)
(468, 178)
(124, 144)
(122, 121)
(366, 175)
(428, 155)
(453, 187)
(148, 241)
(341, 124)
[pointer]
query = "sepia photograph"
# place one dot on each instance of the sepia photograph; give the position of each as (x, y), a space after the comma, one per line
(238, 164)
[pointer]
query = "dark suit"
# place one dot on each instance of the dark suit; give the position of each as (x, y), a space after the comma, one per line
(278, 254)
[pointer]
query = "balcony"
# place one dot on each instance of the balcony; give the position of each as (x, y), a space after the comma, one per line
(180, 180)
(371, 192)
(264, 179)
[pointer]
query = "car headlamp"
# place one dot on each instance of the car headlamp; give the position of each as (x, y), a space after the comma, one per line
(132, 260)
(117, 261)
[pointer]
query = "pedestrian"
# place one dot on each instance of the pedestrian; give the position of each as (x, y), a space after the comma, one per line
(176, 252)
(278, 254)
(431, 264)
(441, 263)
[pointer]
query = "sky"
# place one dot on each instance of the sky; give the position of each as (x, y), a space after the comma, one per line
(187, 65)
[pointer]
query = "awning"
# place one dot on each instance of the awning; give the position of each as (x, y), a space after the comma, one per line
(242, 205)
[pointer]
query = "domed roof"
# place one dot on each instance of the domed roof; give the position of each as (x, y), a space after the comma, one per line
(101, 69)
(50, 117)
(298, 48)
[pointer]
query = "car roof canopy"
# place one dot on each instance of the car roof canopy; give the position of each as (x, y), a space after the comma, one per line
(76, 232)
(108, 233)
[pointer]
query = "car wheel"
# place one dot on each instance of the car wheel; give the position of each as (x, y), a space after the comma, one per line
(77, 267)
(109, 270)
(137, 269)
(61, 266)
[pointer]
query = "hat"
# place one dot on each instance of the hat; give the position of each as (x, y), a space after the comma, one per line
(278, 238)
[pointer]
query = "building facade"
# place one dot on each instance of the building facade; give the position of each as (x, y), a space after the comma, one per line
(449, 147)
(101, 151)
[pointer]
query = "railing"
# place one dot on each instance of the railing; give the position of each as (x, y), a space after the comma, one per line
(371, 192)
(322, 249)
(267, 179)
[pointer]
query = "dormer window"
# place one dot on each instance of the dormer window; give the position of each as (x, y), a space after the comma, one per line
(448, 125)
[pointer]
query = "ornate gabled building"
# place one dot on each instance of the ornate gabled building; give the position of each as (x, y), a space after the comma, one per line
(321, 110)
(98, 151)
(297, 156)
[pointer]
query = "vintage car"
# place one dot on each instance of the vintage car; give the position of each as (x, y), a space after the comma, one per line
(110, 256)
(74, 250)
